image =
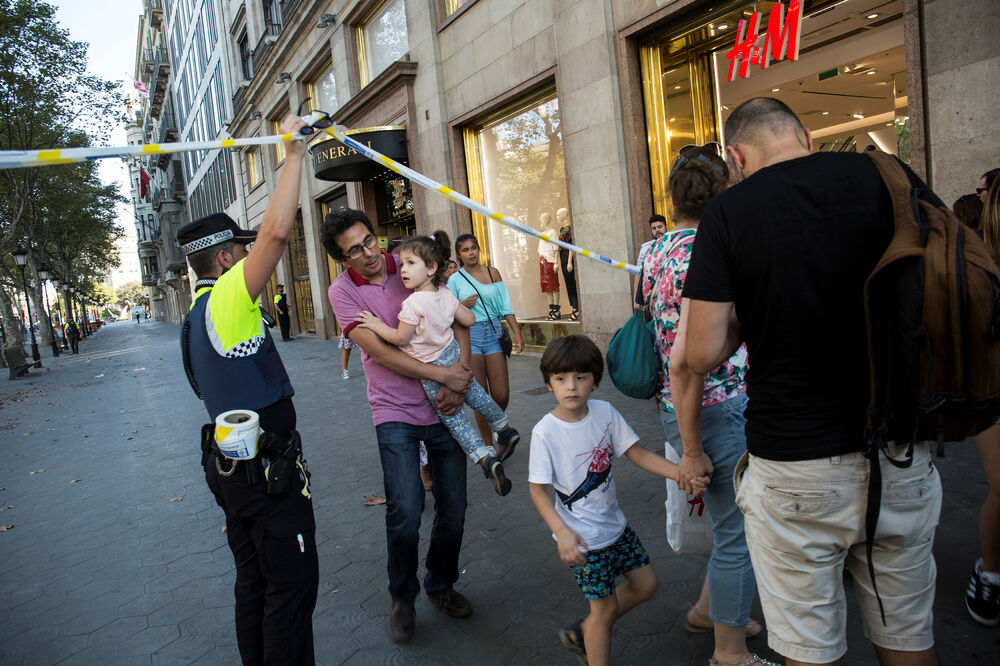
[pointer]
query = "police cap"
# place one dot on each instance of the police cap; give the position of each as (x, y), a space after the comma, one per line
(212, 230)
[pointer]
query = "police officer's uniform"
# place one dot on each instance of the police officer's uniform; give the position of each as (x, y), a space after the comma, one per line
(284, 321)
(73, 336)
(232, 363)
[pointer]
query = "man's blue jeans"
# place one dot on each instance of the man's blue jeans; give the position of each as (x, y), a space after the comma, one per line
(731, 583)
(398, 447)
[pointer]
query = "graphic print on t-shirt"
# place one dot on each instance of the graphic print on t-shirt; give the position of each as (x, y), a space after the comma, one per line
(598, 470)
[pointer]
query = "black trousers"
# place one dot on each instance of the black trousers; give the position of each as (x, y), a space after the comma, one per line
(285, 322)
(569, 278)
(273, 541)
(74, 343)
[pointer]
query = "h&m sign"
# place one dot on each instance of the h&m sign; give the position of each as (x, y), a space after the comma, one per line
(781, 39)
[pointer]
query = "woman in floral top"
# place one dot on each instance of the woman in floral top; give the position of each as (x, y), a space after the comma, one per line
(698, 174)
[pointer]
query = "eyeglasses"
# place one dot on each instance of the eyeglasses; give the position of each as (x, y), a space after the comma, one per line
(713, 146)
(369, 243)
(980, 190)
(695, 152)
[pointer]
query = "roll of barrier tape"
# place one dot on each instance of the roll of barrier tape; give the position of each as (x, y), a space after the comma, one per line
(236, 433)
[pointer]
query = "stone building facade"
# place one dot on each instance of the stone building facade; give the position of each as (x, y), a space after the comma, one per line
(566, 114)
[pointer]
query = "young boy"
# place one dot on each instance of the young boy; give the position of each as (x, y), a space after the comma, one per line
(571, 450)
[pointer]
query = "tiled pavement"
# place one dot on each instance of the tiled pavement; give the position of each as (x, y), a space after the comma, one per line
(117, 554)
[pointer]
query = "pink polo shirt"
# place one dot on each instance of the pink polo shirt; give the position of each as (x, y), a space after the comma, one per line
(393, 397)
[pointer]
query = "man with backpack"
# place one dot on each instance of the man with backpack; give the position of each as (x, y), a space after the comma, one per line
(781, 262)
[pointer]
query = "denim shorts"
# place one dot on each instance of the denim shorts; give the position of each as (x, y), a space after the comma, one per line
(485, 339)
(597, 577)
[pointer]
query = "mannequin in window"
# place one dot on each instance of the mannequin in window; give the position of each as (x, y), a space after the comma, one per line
(548, 255)
(567, 261)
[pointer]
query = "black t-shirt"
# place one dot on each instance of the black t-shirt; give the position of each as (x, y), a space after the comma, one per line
(792, 246)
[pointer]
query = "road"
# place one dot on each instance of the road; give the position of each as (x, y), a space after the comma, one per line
(117, 555)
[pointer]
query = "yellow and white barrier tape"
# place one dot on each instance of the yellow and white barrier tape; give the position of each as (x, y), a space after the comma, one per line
(12, 159)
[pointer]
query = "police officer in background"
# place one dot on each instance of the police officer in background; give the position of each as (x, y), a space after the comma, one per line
(232, 363)
(281, 305)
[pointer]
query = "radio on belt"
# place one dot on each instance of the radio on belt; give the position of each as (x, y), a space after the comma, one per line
(236, 433)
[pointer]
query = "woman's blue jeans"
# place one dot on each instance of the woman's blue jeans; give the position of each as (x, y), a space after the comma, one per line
(731, 583)
(398, 448)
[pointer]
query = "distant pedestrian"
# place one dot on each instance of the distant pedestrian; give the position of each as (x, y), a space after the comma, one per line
(281, 305)
(346, 346)
(572, 451)
(986, 182)
(73, 336)
(968, 209)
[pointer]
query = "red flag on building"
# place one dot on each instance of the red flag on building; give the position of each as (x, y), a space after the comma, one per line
(144, 179)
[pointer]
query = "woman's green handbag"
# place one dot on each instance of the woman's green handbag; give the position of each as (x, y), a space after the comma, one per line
(633, 364)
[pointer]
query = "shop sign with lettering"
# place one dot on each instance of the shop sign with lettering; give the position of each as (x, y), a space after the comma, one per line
(779, 41)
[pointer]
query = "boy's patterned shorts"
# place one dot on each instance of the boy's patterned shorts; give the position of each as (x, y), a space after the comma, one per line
(597, 577)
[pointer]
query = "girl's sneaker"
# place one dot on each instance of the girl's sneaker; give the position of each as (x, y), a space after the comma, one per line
(493, 470)
(345, 374)
(508, 439)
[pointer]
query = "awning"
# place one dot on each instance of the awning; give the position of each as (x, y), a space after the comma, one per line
(334, 161)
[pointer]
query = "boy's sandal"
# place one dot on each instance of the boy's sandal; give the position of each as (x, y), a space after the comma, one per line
(572, 639)
(754, 660)
(704, 624)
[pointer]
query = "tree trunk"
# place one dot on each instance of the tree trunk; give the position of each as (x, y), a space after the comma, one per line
(38, 306)
(11, 324)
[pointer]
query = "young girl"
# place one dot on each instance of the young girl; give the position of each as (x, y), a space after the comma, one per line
(425, 333)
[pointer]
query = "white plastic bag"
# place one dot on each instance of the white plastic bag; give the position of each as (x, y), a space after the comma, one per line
(689, 530)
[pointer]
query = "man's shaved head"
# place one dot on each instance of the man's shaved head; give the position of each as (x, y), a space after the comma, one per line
(760, 120)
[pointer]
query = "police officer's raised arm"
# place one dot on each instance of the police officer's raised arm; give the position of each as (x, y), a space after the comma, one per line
(276, 228)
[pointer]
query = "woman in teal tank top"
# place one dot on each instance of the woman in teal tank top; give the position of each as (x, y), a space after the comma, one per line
(481, 289)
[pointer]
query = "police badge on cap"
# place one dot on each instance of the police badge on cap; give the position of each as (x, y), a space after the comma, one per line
(212, 230)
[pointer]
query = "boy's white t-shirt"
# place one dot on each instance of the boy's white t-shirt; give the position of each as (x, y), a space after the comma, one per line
(575, 459)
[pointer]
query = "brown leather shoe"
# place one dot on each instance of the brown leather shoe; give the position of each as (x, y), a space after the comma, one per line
(402, 621)
(451, 602)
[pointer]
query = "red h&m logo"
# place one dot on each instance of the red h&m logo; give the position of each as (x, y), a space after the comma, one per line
(781, 39)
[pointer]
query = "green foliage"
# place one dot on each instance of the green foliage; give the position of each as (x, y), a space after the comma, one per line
(131, 293)
(62, 215)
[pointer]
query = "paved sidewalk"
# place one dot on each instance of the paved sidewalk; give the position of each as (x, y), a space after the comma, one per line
(117, 553)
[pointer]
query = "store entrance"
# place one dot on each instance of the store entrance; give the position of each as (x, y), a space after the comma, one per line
(848, 85)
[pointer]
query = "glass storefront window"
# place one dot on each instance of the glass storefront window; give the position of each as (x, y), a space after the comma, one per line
(279, 148)
(516, 163)
(383, 39)
(322, 92)
(254, 173)
(451, 6)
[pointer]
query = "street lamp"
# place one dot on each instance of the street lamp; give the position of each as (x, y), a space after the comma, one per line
(43, 274)
(21, 258)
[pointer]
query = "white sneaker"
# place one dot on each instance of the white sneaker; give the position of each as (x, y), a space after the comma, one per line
(345, 374)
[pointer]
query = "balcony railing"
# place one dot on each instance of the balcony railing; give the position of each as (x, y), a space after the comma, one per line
(239, 99)
(288, 8)
(158, 85)
(148, 59)
(154, 12)
(150, 279)
(265, 44)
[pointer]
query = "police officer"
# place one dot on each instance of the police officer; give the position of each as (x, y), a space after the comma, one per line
(73, 335)
(281, 305)
(232, 363)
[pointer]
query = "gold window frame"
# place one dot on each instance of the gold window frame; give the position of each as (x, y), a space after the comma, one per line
(364, 75)
(474, 162)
